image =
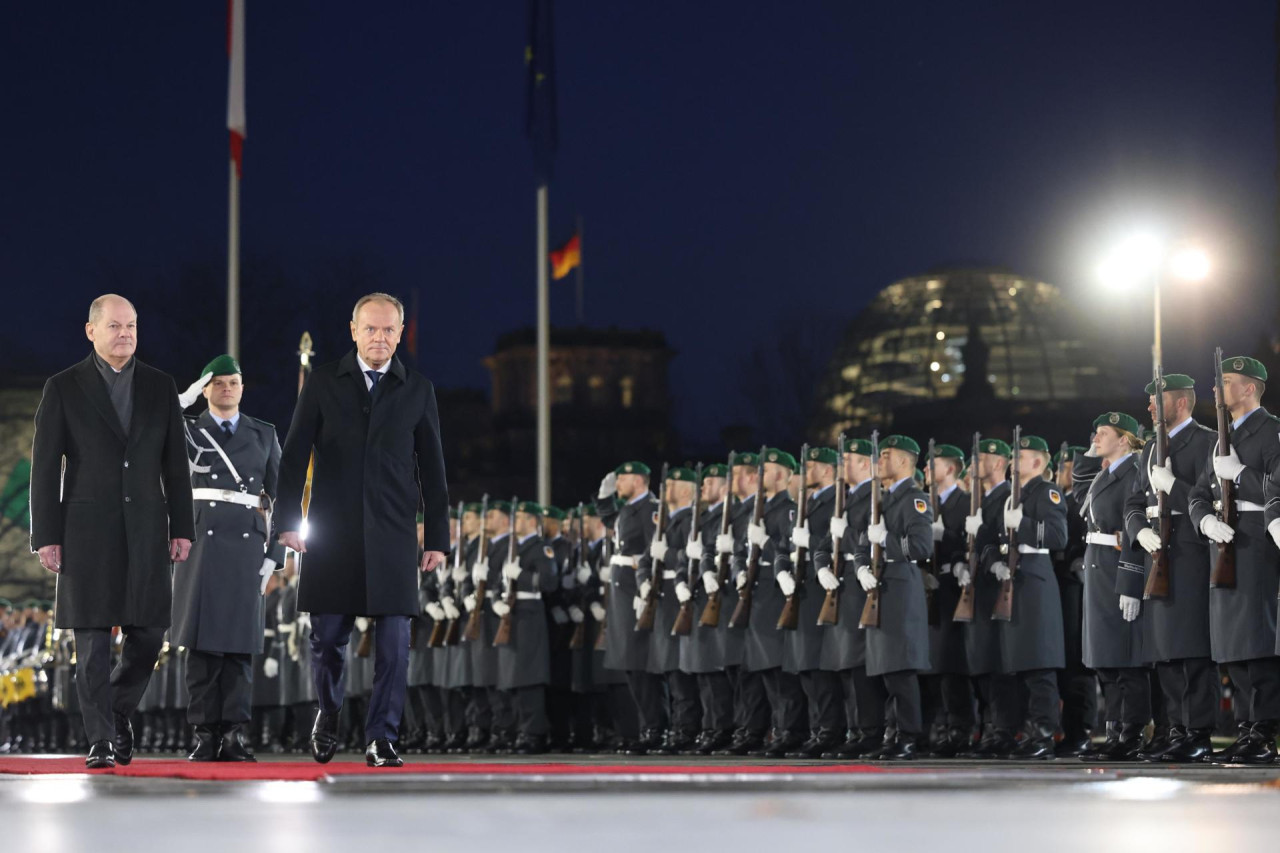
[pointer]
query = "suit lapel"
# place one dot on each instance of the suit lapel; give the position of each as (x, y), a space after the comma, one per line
(96, 390)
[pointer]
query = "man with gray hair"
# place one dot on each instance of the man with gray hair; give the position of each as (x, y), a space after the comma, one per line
(110, 511)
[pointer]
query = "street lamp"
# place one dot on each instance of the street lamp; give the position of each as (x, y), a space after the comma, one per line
(1143, 257)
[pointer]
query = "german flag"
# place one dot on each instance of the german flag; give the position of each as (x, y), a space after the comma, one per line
(565, 259)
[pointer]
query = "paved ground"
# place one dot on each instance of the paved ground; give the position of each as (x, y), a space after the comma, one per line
(951, 807)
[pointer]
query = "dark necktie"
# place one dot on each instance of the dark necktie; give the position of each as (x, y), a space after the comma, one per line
(374, 376)
(226, 430)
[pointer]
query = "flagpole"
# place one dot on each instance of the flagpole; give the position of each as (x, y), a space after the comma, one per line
(544, 341)
(233, 265)
(581, 255)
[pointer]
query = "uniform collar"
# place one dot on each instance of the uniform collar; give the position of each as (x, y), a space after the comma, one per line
(638, 498)
(946, 493)
(1240, 420)
(1180, 427)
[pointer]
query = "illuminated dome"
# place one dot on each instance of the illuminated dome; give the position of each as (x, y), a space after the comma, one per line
(990, 332)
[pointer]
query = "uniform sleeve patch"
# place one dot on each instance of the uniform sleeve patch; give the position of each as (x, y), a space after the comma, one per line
(547, 550)
(921, 506)
(1055, 496)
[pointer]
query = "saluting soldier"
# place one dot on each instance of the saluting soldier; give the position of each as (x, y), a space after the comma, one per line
(1242, 619)
(1077, 685)
(1176, 627)
(218, 606)
(1113, 583)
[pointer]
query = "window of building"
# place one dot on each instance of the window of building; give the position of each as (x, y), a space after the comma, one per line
(596, 391)
(627, 385)
(564, 388)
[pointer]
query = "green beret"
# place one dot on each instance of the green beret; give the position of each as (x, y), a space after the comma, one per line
(5, 604)
(589, 511)
(825, 455)
(503, 507)
(683, 475)
(995, 447)
(31, 603)
(860, 446)
(783, 458)
(1118, 420)
(1172, 382)
(901, 442)
(1072, 450)
(1034, 442)
(747, 460)
(948, 451)
(475, 507)
(530, 507)
(632, 468)
(919, 475)
(553, 512)
(46, 605)
(1245, 366)
(223, 365)
(717, 469)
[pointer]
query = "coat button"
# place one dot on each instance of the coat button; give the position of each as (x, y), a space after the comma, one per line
(208, 532)
(213, 476)
(245, 536)
(213, 503)
(126, 463)
(127, 499)
(250, 479)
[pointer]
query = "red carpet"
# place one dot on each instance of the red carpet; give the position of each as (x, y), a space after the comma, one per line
(310, 771)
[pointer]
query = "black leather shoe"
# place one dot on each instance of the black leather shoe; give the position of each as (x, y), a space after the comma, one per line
(1161, 740)
(476, 740)
(651, 740)
(1099, 750)
(124, 739)
(432, 744)
(1261, 746)
(1074, 745)
(1243, 732)
(529, 745)
(1127, 746)
(1194, 747)
(1037, 745)
(324, 737)
(676, 743)
(822, 741)
(994, 744)
(748, 743)
(782, 743)
(233, 748)
(905, 747)
(102, 756)
(500, 743)
(208, 745)
(380, 753)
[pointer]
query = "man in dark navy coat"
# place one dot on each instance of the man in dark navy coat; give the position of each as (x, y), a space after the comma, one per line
(373, 427)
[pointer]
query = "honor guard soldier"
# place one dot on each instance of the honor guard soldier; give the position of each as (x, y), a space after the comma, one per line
(484, 656)
(560, 702)
(1176, 625)
(752, 721)
(423, 703)
(218, 606)
(1113, 583)
(467, 714)
(1077, 684)
(1242, 618)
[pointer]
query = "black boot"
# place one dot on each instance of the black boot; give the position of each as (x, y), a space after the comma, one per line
(1162, 738)
(1261, 748)
(1074, 744)
(905, 747)
(823, 740)
(233, 745)
(1037, 745)
(208, 744)
(1227, 755)
(1128, 744)
(782, 744)
(1194, 747)
(715, 741)
(676, 743)
(476, 741)
(529, 745)
(995, 743)
(747, 743)
(1102, 749)
(651, 740)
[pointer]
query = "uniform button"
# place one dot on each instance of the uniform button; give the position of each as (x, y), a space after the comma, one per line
(250, 479)
(127, 499)
(245, 535)
(126, 463)
(208, 532)
(213, 476)
(213, 503)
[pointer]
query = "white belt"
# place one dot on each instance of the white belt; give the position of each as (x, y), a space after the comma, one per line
(1153, 512)
(1249, 506)
(231, 497)
(668, 576)
(619, 560)
(528, 596)
(1027, 549)
(1109, 539)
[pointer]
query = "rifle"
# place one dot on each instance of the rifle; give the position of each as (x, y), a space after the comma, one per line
(931, 599)
(830, 612)
(684, 619)
(789, 618)
(503, 635)
(440, 629)
(1224, 567)
(606, 556)
(644, 622)
(871, 610)
(742, 613)
(964, 607)
(1003, 611)
(475, 620)
(711, 613)
(1158, 581)
(579, 636)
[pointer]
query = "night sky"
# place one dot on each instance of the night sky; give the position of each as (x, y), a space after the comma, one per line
(737, 165)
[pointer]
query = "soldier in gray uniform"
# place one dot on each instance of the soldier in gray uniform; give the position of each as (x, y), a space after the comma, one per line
(467, 712)
(560, 699)
(802, 648)
(423, 698)
(218, 610)
(1114, 579)
(268, 708)
(1176, 628)
(1077, 684)
(625, 503)
(899, 648)
(484, 657)
(751, 718)
(1242, 619)
(293, 649)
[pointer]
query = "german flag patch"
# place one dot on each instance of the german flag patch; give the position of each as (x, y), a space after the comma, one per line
(1055, 496)
(546, 549)
(921, 506)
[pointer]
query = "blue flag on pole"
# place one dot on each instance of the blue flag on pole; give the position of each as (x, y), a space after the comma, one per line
(540, 116)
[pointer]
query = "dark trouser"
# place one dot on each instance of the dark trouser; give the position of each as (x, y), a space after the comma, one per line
(330, 634)
(686, 710)
(648, 691)
(221, 688)
(1257, 684)
(103, 691)
(1078, 688)
(619, 711)
(1160, 715)
(304, 717)
(1040, 687)
(530, 707)
(784, 695)
(1002, 708)
(478, 711)
(1190, 691)
(864, 699)
(822, 691)
(956, 693)
(903, 689)
(502, 714)
(454, 701)
(753, 702)
(433, 718)
(716, 694)
(1126, 694)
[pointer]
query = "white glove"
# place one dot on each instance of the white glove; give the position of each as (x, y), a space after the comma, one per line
(567, 581)
(1161, 477)
(271, 667)
(710, 582)
(1092, 452)
(838, 527)
(511, 571)
(1001, 571)
(606, 573)
(1129, 607)
(189, 396)
(608, 486)
(963, 576)
(637, 604)
(362, 624)
(645, 588)
(435, 611)
(827, 580)
(1217, 529)
(786, 583)
(1012, 515)
(459, 574)
(1150, 540)
(693, 550)
(867, 579)
(658, 548)
(559, 616)
(500, 607)
(724, 543)
(877, 533)
(756, 535)
(597, 611)
(740, 581)
(682, 592)
(584, 574)
(1274, 529)
(450, 608)
(939, 529)
(268, 566)
(576, 616)
(800, 536)
(469, 602)
(1228, 467)
(972, 524)
(480, 573)
(930, 582)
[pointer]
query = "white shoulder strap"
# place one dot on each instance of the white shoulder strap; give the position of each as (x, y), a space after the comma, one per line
(218, 447)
